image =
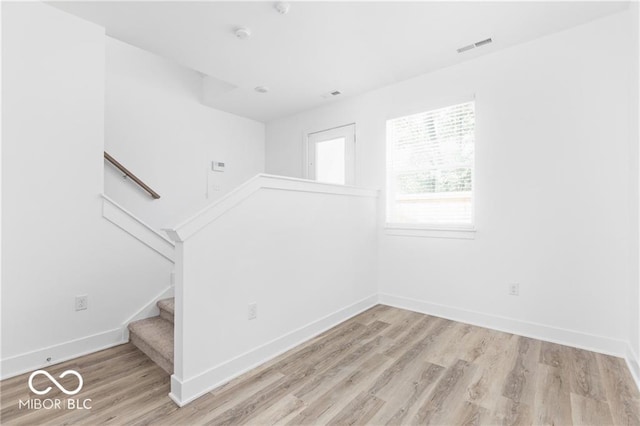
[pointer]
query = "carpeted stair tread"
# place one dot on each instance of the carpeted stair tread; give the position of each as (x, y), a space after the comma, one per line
(167, 308)
(154, 337)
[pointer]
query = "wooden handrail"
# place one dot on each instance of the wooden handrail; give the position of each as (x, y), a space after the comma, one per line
(133, 177)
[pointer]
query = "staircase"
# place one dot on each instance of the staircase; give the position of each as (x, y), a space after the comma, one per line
(154, 336)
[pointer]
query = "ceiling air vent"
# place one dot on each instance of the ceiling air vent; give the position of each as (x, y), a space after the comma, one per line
(465, 48)
(474, 45)
(331, 94)
(483, 42)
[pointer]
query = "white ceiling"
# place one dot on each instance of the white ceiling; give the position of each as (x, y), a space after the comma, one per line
(323, 46)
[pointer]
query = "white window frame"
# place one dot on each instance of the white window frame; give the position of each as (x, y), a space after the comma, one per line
(455, 231)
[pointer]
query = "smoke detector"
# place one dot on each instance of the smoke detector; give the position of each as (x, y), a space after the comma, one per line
(282, 7)
(261, 89)
(474, 45)
(242, 33)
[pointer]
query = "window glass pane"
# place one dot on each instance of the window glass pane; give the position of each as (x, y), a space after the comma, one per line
(330, 161)
(430, 166)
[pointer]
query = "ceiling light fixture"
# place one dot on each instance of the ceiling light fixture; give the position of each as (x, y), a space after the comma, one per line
(242, 33)
(261, 89)
(282, 7)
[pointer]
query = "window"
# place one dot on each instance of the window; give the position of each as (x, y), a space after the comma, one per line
(430, 159)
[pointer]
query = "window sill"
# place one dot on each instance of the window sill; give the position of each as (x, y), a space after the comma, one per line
(401, 230)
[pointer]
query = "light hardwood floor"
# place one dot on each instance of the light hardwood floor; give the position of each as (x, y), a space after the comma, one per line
(384, 366)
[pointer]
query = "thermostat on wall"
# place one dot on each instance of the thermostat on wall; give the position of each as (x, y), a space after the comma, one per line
(217, 166)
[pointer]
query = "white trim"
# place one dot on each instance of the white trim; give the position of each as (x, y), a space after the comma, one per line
(533, 330)
(147, 311)
(261, 181)
(400, 230)
(144, 233)
(185, 391)
(348, 133)
(29, 361)
(632, 363)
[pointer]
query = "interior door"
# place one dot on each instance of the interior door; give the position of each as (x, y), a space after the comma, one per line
(331, 155)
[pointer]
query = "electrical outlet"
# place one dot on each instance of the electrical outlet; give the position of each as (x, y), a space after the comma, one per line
(252, 311)
(82, 302)
(514, 289)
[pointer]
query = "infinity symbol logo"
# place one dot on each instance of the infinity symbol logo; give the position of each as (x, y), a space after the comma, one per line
(55, 382)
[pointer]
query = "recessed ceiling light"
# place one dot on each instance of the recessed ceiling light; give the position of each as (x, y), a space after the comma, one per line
(242, 33)
(282, 7)
(261, 89)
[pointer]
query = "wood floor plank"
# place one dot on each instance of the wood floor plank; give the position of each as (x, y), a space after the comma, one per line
(486, 388)
(587, 411)
(451, 382)
(521, 382)
(266, 397)
(469, 414)
(358, 411)
(585, 374)
(318, 349)
(512, 413)
(404, 394)
(384, 366)
(376, 313)
(417, 331)
(552, 405)
(340, 370)
(622, 394)
(401, 322)
(280, 412)
(210, 406)
(327, 405)
(552, 354)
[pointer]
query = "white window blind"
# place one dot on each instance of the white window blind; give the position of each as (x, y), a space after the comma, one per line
(430, 167)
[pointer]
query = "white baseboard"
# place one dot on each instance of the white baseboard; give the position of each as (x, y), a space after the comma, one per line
(632, 362)
(147, 311)
(533, 330)
(185, 391)
(24, 363)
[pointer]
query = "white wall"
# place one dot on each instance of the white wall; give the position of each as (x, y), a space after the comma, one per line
(634, 297)
(156, 126)
(553, 185)
(302, 251)
(55, 243)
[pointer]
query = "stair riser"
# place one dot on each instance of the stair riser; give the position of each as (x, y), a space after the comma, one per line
(166, 315)
(165, 364)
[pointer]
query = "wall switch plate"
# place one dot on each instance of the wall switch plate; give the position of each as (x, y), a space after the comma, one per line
(252, 312)
(514, 289)
(82, 303)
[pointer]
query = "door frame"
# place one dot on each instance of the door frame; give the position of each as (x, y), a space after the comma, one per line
(350, 178)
